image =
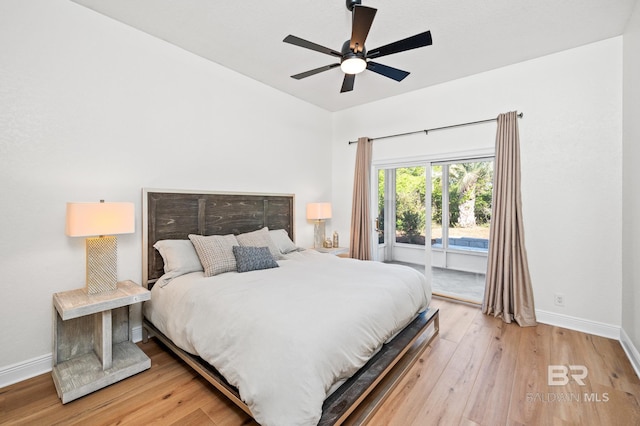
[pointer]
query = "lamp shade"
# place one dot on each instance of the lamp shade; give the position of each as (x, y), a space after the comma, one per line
(318, 211)
(90, 219)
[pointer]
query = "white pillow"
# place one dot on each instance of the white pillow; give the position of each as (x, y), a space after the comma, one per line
(281, 239)
(215, 253)
(179, 258)
(259, 238)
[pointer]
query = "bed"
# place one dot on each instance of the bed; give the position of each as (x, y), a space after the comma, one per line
(297, 339)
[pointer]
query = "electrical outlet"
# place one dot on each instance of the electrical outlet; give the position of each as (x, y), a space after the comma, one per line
(558, 299)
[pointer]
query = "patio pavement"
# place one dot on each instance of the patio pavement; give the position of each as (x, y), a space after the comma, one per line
(466, 286)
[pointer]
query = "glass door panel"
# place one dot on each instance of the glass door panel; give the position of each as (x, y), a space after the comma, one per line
(470, 193)
(461, 216)
(410, 205)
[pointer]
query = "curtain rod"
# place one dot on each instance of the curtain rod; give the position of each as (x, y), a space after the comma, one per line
(426, 131)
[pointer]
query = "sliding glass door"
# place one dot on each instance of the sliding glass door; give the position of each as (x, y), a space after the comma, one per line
(444, 203)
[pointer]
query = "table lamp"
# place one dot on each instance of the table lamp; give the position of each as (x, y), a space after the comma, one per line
(318, 212)
(100, 221)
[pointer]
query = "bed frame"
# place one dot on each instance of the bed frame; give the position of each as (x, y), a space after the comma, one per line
(174, 214)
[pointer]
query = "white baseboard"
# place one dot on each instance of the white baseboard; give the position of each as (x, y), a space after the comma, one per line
(25, 370)
(39, 365)
(631, 351)
(578, 324)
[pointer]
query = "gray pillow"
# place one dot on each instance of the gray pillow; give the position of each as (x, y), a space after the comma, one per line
(259, 238)
(253, 258)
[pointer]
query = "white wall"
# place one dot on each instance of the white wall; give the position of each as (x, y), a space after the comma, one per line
(630, 185)
(91, 109)
(571, 157)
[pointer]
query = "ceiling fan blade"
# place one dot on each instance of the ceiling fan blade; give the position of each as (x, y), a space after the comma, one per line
(347, 83)
(291, 39)
(314, 71)
(413, 42)
(362, 21)
(393, 73)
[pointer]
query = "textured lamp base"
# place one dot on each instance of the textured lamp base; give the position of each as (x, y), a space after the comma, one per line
(318, 234)
(102, 264)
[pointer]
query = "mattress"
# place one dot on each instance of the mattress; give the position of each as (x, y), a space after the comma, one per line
(285, 336)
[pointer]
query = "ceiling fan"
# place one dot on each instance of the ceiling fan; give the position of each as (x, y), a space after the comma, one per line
(354, 58)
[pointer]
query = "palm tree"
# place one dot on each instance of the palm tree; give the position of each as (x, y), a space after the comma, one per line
(466, 180)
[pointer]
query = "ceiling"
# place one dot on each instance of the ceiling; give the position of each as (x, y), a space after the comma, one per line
(469, 37)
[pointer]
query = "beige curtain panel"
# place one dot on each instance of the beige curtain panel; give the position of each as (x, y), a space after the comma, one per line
(360, 244)
(508, 292)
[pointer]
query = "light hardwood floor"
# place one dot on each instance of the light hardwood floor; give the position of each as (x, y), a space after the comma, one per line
(479, 371)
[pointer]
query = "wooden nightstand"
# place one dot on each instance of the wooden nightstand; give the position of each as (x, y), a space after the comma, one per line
(92, 346)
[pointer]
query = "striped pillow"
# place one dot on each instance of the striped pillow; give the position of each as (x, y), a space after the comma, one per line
(215, 253)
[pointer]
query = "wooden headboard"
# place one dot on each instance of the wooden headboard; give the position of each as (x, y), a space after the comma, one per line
(174, 214)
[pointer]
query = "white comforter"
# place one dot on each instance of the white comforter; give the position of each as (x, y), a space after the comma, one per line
(284, 336)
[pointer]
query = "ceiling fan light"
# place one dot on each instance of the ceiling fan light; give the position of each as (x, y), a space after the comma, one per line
(353, 65)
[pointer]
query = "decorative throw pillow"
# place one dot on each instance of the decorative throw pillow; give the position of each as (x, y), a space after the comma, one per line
(259, 238)
(281, 239)
(253, 258)
(215, 253)
(179, 258)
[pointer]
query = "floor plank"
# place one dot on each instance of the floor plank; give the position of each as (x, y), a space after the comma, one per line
(530, 377)
(455, 324)
(478, 371)
(195, 418)
(405, 401)
(449, 397)
(494, 383)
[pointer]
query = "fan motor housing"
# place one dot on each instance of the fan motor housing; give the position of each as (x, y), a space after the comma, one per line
(347, 53)
(352, 3)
